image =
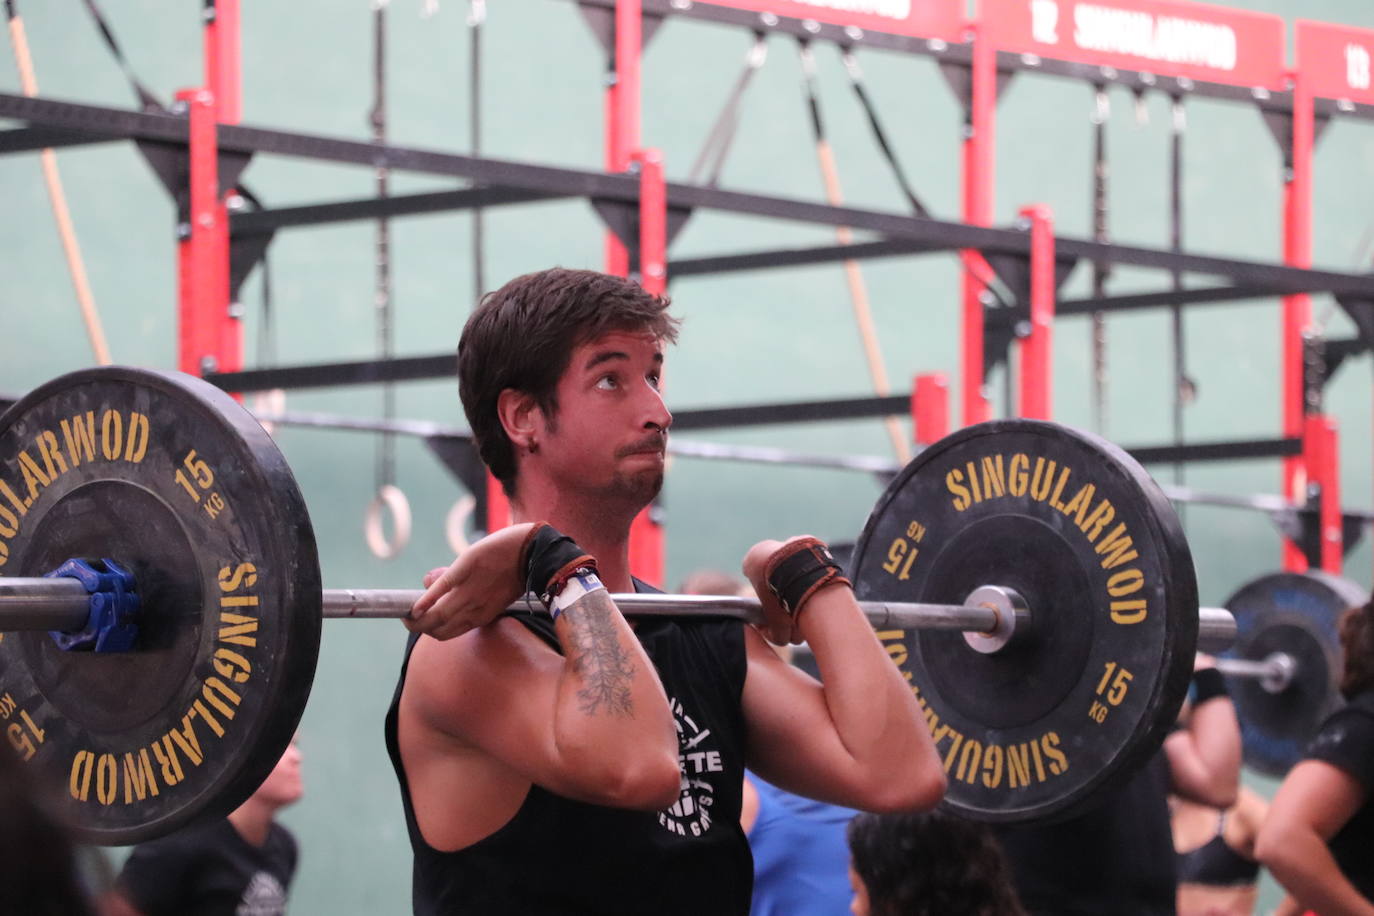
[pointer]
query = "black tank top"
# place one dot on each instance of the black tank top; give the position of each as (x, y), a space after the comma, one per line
(559, 856)
(1216, 864)
(1116, 859)
(1346, 740)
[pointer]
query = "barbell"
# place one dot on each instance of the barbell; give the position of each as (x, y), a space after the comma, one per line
(1031, 582)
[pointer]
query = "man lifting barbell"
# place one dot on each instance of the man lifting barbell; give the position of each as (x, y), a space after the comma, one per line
(574, 763)
(1030, 581)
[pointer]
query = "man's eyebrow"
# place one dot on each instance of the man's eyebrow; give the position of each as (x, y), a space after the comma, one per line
(609, 355)
(604, 356)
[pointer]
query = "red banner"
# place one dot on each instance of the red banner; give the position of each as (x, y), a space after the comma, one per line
(943, 19)
(1176, 38)
(1335, 61)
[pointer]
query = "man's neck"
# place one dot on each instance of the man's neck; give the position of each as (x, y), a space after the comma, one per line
(253, 821)
(603, 533)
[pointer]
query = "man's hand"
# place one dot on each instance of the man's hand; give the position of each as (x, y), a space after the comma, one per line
(475, 589)
(779, 628)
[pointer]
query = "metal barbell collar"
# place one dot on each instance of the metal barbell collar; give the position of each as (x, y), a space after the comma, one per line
(62, 603)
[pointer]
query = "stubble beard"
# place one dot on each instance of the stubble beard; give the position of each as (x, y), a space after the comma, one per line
(635, 490)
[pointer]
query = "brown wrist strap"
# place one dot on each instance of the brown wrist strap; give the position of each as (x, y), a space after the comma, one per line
(800, 569)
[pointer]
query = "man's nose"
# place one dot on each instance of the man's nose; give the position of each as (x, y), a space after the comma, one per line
(658, 414)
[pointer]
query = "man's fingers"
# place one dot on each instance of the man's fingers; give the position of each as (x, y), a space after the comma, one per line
(446, 581)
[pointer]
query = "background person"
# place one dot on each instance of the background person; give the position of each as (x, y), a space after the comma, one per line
(39, 875)
(801, 859)
(240, 865)
(1319, 836)
(928, 864)
(1218, 874)
(1118, 857)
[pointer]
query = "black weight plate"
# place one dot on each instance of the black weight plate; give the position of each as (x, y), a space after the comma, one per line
(1295, 613)
(1089, 691)
(170, 477)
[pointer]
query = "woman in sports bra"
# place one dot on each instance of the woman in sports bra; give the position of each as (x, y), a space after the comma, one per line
(1217, 871)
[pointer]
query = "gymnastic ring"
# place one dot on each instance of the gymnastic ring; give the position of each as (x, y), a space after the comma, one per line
(395, 501)
(455, 524)
(269, 403)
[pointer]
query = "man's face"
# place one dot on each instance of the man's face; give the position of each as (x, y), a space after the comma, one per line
(283, 785)
(610, 429)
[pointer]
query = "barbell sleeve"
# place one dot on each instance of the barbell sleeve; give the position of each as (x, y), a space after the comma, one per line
(1274, 672)
(61, 604)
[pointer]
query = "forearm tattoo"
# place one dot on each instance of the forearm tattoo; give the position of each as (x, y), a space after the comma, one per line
(598, 658)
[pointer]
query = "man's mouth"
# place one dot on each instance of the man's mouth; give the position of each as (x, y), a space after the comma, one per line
(656, 445)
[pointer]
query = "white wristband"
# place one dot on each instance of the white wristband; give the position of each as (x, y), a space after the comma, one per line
(575, 588)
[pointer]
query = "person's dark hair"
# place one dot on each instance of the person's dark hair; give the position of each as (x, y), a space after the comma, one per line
(522, 336)
(38, 867)
(930, 864)
(1357, 650)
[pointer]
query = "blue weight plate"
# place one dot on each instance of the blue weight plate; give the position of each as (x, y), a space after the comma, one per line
(1296, 613)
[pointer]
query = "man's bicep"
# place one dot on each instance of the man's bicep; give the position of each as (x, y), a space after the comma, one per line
(494, 690)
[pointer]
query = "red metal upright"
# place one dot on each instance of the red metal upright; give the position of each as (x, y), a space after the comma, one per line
(979, 159)
(1335, 63)
(622, 111)
(646, 533)
(209, 338)
(223, 56)
(622, 148)
(1297, 310)
(930, 407)
(1036, 347)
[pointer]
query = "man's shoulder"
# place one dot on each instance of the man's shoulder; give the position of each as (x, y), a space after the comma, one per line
(186, 843)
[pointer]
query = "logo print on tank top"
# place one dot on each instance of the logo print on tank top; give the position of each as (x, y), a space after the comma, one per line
(697, 759)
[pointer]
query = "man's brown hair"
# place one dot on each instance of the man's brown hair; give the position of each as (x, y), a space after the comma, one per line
(522, 336)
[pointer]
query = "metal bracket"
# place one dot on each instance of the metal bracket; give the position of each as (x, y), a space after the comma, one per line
(1014, 272)
(1303, 528)
(602, 22)
(622, 220)
(959, 76)
(1280, 124)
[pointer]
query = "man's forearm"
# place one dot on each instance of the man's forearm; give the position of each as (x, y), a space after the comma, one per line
(611, 713)
(874, 712)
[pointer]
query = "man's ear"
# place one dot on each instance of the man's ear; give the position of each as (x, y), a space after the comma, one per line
(520, 417)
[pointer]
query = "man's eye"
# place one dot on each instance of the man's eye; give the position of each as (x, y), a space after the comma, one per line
(607, 382)
(655, 380)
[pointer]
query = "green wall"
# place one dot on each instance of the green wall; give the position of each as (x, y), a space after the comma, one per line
(748, 338)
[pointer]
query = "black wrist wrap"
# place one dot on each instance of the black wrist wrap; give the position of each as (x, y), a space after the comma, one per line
(799, 569)
(550, 559)
(1208, 684)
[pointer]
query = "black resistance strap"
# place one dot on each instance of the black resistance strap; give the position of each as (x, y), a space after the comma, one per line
(1101, 271)
(975, 263)
(711, 158)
